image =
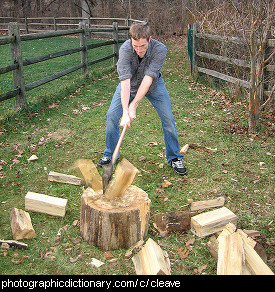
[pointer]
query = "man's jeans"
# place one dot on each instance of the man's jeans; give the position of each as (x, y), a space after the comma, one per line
(161, 101)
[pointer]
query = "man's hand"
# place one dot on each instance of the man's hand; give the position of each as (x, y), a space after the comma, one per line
(125, 120)
(132, 111)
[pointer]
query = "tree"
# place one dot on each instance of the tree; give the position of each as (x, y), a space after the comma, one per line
(256, 18)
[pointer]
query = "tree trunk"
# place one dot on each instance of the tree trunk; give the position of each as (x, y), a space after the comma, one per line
(114, 223)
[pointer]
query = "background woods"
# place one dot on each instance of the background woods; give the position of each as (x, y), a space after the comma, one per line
(252, 21)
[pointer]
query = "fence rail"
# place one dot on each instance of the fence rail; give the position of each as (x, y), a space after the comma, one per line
(195, 54)
(38, 24)
(17, 63)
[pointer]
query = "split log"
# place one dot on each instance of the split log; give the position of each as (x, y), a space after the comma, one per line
(199, 205)
(64, 178)
(213, 246)
(116, 223)
(252, 259)
(173, 221)
(15, 243)
(211, 222)
(184, 149)
(229, 228)
(87, 169)
(230, 255)
(21, 226)
(45, 204)
(151, 260)
(124, 176)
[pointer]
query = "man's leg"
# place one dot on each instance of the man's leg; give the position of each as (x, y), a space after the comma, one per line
(112, 124)
(161, 101)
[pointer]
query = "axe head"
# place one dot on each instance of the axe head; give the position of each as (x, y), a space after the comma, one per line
(107, 174)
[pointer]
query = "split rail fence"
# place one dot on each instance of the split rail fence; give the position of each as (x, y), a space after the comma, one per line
(17, 63)
(196, 54)
(39, 24)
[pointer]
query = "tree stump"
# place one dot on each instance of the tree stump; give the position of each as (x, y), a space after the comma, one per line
(114, 223)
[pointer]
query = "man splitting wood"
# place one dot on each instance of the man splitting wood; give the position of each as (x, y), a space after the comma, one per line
(140, 60)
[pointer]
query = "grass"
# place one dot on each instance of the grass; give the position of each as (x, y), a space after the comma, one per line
(69, 123)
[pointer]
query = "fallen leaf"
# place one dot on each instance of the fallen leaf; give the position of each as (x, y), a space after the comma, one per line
(142, 158)
(166, 184)
(79, 257)
(154, 143)
(15, 161)
(183, 253)
(159, 190)
(201, 268)
(17, 262)
(107, 255)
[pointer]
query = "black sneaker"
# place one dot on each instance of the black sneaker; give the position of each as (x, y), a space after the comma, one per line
(178, 166)
(104, 161)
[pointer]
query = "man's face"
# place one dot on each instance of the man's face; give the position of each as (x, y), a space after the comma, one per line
(140, 46)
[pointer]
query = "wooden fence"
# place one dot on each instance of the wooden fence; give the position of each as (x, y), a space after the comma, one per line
(39, 24)
(17, 63)
(195, 53)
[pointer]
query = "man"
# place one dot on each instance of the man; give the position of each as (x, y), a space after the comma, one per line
(140, 61)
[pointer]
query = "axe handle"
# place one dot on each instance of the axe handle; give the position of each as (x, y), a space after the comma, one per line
(115, 154)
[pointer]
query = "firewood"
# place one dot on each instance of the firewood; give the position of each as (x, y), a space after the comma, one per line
(252, 259)
(64, 178)
(213, 246)
(135, 248)
(124, 176)
(87, 169)
(21, 226)
(199, 205)
(184, 149)
(117, 223)
(228, 229)
(151, 260)
(15, 243)
(230, 255)
(45, 204)
(211, 222)
(173, 221)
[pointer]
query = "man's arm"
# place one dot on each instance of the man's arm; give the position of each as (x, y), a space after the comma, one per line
(129, 112)
(142, 90)
(125, 97)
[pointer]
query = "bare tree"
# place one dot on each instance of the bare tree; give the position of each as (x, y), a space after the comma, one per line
(256, 18)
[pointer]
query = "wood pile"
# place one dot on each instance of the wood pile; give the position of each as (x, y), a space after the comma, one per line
(234, 250)
(235, 253)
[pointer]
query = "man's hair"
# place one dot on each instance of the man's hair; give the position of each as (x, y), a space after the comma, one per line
(140, 31)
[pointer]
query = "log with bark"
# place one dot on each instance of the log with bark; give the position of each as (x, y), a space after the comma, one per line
(114, 223)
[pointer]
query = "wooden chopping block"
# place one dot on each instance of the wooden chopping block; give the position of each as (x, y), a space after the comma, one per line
(117, 223)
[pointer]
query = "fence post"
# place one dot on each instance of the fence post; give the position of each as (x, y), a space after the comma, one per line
(83, 43)
(115, 45)
(16, 58)
(196, 29)
(54, 24)
(127, 23)
(26, 25)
